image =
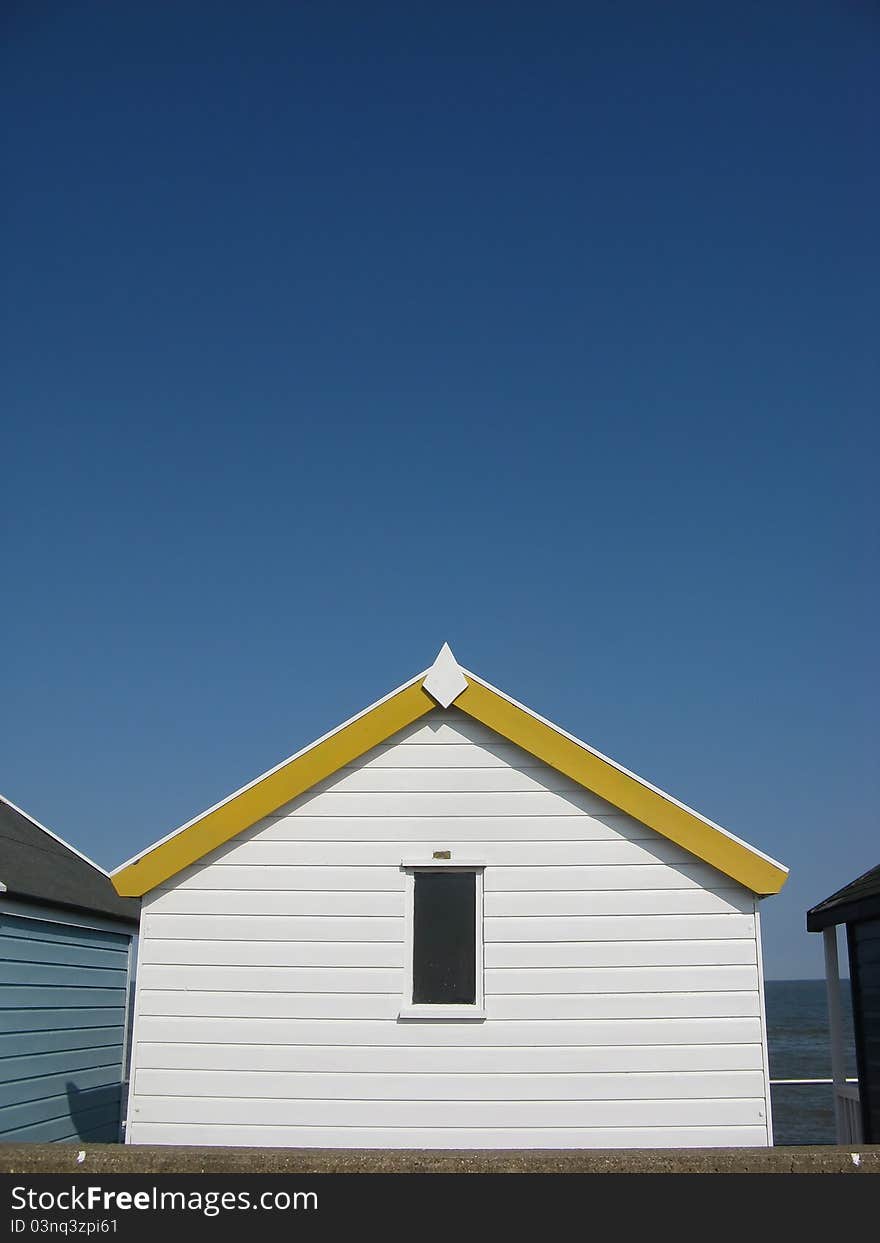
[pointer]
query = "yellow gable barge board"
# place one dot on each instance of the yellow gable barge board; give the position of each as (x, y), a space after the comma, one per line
(707, 842)
(263, 796)
(447, 683)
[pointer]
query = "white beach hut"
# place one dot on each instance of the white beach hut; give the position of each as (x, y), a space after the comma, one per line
(450, 924)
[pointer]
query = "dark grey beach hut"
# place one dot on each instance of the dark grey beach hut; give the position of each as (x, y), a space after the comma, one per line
(65, 965)
(857, 907)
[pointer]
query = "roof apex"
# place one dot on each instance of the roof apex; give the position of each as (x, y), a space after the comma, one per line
(445, 680)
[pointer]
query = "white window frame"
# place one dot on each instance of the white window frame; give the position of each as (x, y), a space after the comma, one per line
(408, 1009)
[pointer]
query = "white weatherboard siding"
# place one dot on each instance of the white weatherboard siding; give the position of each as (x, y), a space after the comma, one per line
(621, 974)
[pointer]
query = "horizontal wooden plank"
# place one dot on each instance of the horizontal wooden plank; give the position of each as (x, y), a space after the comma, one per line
(497, 928)
(451, 726)
(659, 876)
(104, 1071)
(353, 903)
(669, 1005)
(256, 1030)
(220, 876)
(350, 903)
(681, 953)
(475, 1061)
(60, 933)
(96, 1108)
(620, 928)
(273, 953)
(538, 802)
(270, 928)
(54, 953)
(450, 780)
(502, 980)
(868, 952)
(450, 755)
(448, 1113)
(498, 879)
(100, 1126)
(389, 854)
(613, 979)
(392, 954)
(449, 1138)
(33, 1064)
(31, 1017)
(265, 979)
(34, 973)
(46, 998)
(428, 829)
(356, 1006)
(293, 1086)
(556, 902)
(16, 1043)
(269, 1005)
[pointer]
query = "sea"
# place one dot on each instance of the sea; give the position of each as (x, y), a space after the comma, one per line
(798, 1041)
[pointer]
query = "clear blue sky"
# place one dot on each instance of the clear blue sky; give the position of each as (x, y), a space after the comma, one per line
(337, 330)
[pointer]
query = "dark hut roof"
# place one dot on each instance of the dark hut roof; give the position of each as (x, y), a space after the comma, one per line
(858, 900)
(37, 866)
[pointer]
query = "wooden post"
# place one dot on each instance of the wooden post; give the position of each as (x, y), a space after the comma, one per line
(835, 1021)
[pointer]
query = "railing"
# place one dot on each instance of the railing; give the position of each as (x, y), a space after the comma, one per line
(847, 1114)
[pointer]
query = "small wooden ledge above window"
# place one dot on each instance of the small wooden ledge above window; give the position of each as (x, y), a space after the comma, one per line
(442, 1012)
(423, 865)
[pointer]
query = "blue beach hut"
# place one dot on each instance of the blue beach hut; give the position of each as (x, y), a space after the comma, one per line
(65, 966)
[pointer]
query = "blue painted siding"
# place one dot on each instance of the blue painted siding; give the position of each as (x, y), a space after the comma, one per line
(63, 996)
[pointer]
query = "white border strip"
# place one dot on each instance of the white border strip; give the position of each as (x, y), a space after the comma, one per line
(765, 1050)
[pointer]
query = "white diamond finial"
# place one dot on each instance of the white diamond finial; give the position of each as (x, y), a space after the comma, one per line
(445, 680)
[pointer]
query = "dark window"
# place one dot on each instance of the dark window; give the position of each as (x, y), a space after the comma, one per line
(444, 938)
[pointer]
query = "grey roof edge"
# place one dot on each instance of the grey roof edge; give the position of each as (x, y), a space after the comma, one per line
(39, 866)
(860, 899)
(34, 821)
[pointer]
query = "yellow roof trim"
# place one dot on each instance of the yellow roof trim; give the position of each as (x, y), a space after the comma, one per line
(598, 774)
(218, 825)
(272, 791)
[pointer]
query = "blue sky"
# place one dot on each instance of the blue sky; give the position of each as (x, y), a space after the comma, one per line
(335, 331)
